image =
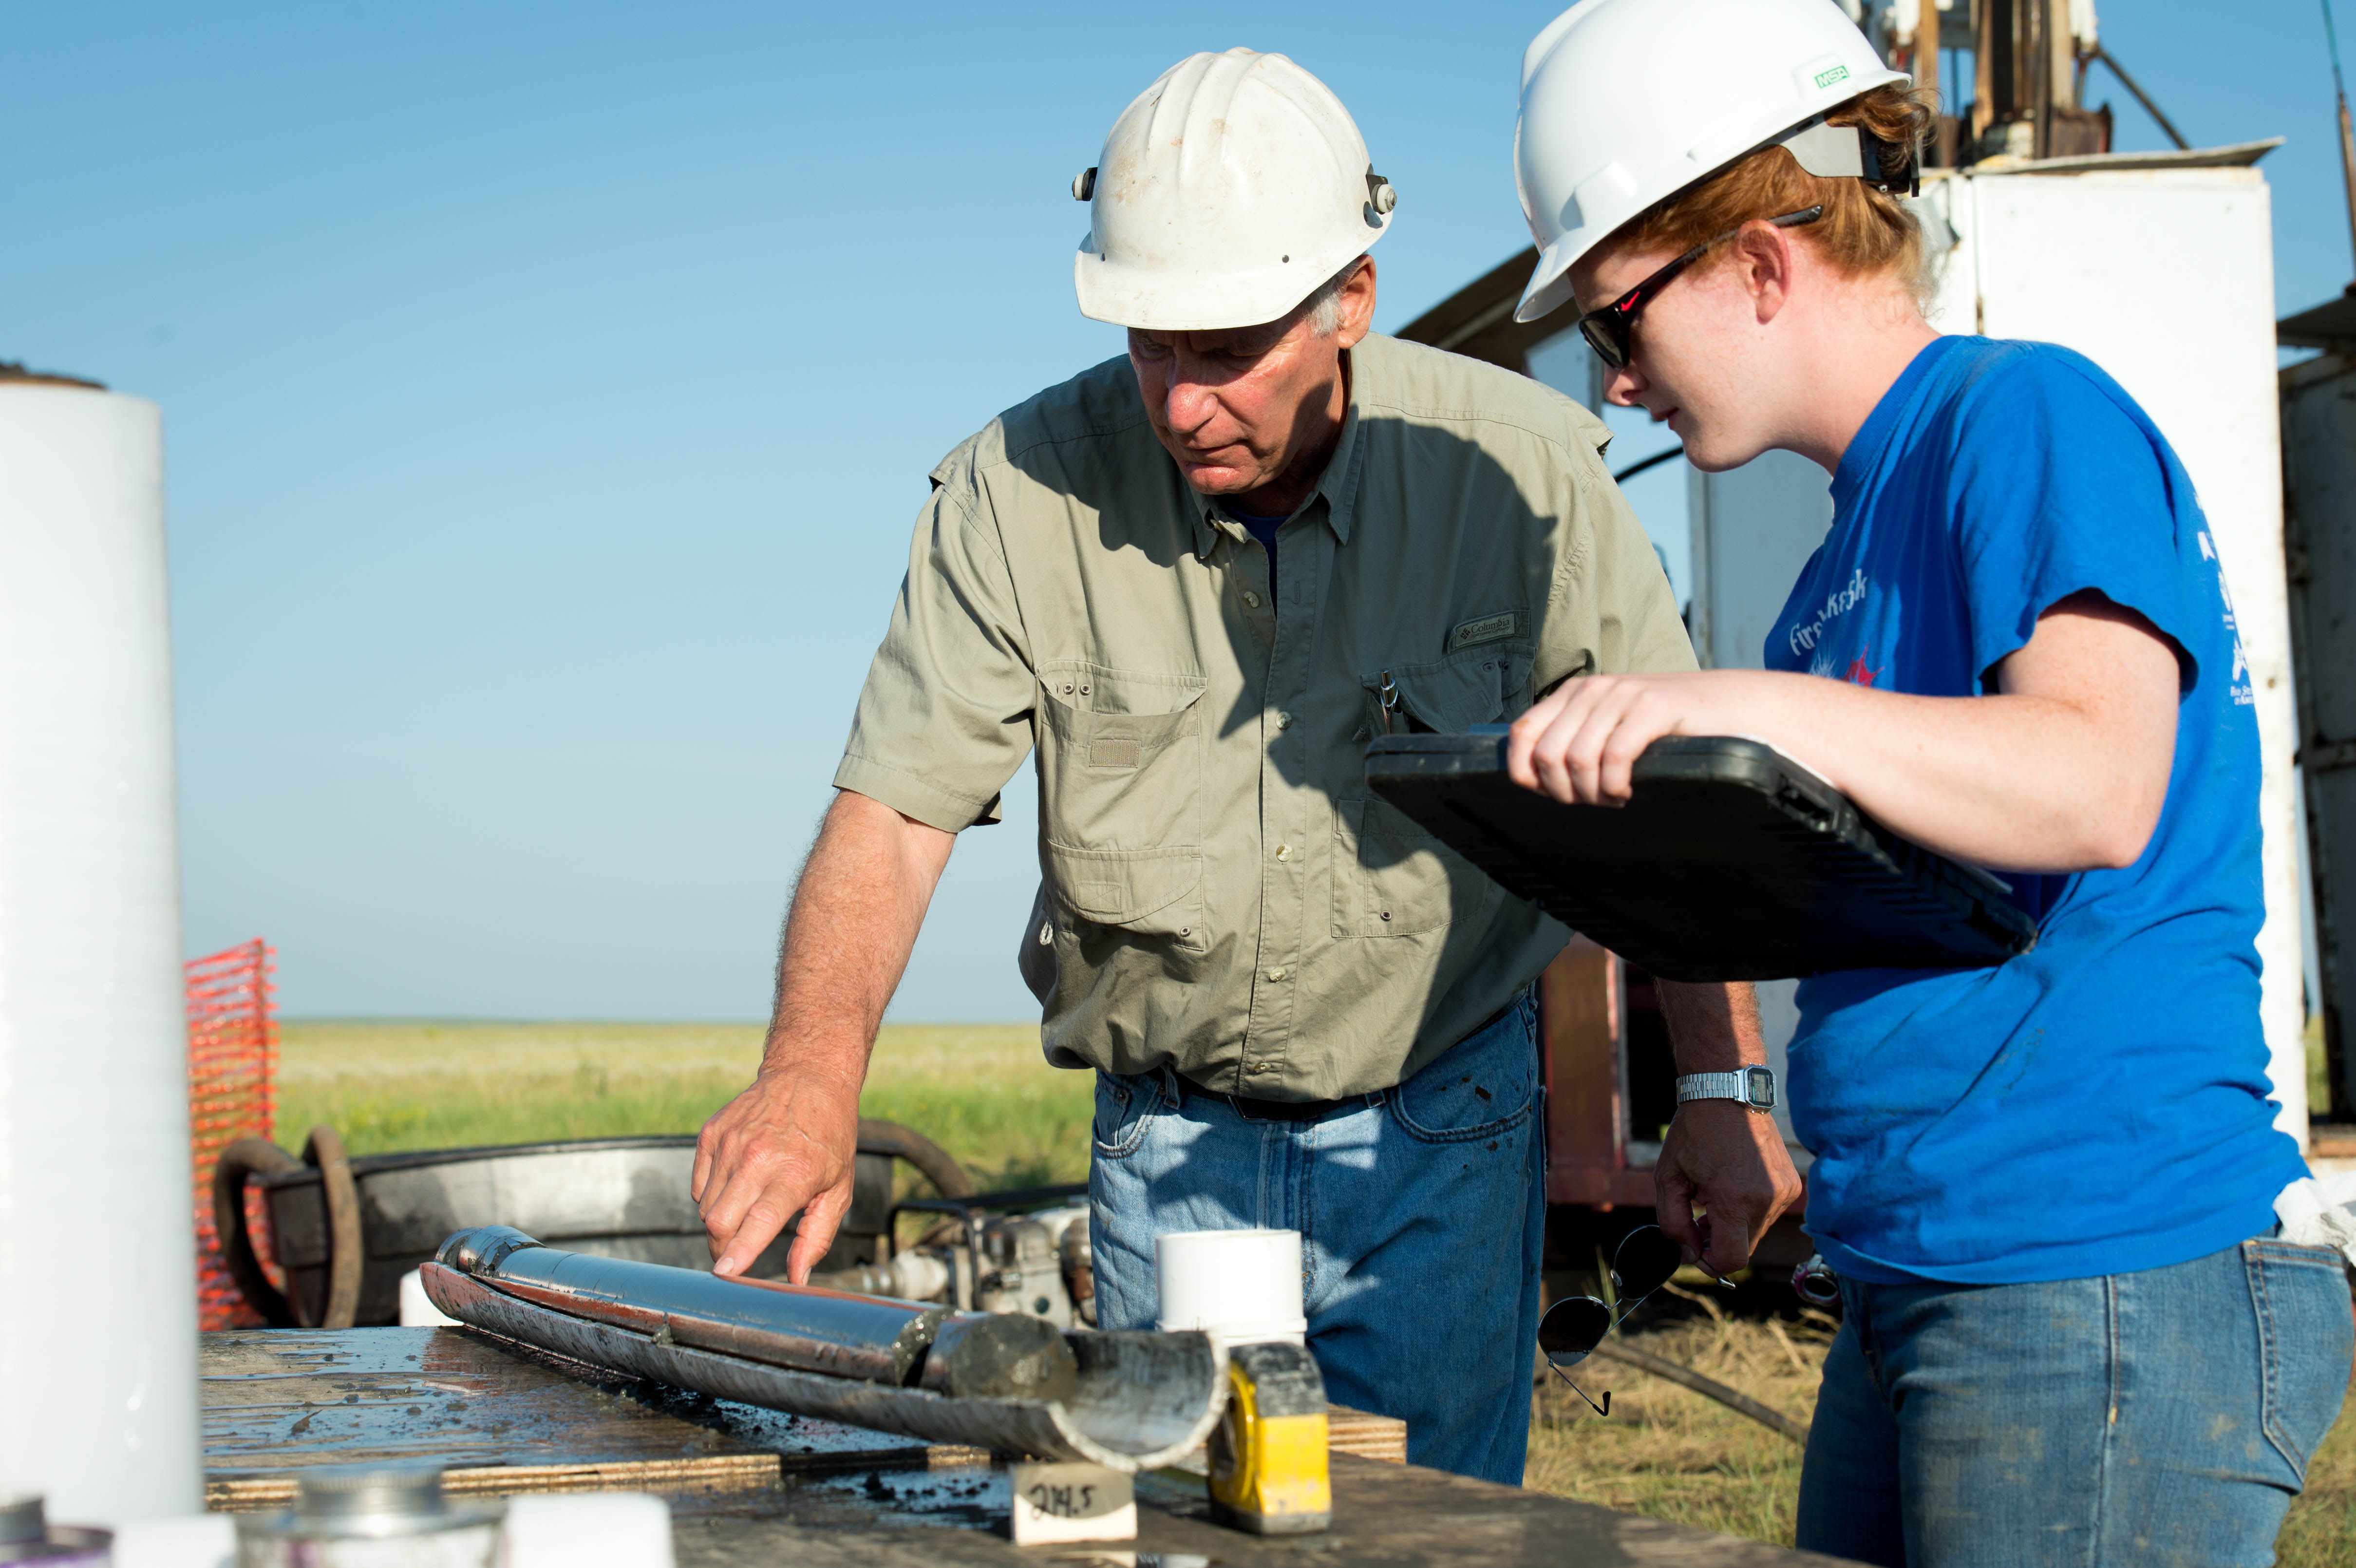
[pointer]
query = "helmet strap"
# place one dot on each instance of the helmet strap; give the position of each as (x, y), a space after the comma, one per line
(1832, 152)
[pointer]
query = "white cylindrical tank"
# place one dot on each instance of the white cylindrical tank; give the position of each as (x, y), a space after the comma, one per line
(98, 1334)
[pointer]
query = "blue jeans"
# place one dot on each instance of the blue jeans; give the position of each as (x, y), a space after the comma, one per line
(1422, 1215)
(2159, 1417)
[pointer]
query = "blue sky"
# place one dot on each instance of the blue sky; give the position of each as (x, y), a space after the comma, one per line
(549, 391)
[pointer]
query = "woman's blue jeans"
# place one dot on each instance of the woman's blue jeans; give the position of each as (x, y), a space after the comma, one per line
(1422, 1214)
(2152, 1418)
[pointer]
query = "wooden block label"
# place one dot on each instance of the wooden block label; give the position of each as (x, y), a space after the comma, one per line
(1072, 1502)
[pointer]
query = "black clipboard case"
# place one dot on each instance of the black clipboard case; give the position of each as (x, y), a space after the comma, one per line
(1728, 862)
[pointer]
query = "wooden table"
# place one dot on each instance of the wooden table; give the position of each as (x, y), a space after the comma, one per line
(752, 1487)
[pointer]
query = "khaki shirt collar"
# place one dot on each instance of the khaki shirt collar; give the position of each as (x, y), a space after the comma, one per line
(1337, 486)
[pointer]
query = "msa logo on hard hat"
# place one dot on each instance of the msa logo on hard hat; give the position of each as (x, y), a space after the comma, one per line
(1831, 74)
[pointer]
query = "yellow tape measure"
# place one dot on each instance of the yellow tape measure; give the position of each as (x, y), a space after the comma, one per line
(1268, 1457)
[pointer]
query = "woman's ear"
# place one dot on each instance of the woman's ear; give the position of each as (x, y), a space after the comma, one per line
(1765, 260)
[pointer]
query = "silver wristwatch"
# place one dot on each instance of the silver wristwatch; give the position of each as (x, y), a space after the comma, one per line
(1753, 1086)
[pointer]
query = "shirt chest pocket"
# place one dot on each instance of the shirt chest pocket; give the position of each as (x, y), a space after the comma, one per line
(1121, 794)
(1449, 696)
(1390, 877)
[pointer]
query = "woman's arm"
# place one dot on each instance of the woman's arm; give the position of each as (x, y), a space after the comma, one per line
(2063, 768)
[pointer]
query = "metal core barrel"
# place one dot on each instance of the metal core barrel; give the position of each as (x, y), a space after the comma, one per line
(844, 1335)
(872, 1338)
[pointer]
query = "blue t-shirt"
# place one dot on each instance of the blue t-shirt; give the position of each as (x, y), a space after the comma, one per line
(2099, 1104)
(1264, 530)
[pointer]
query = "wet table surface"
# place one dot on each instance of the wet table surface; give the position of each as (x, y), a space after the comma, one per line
(755, 1486)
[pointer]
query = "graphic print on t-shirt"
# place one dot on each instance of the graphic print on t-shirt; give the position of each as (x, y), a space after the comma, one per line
(2243, 694)
(1805, 636)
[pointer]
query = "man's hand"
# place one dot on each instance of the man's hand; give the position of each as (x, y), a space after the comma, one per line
(787, 1145)
(1730, 1160)
(790, 1142)
(1719, 1155)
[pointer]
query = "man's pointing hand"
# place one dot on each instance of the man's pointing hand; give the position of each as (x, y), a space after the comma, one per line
(785, 1146)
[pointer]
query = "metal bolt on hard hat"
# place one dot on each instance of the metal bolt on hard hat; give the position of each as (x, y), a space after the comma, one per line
(1226, 194)
(1627, 103)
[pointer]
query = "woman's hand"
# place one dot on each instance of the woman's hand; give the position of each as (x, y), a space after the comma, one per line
(1578, 743)
(2064, 768)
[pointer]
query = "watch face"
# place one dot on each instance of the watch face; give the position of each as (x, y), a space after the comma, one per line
(1759, 1087)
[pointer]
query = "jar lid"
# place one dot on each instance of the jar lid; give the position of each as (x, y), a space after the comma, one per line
(21, 1518)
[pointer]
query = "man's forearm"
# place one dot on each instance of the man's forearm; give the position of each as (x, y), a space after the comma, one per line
(1720, 1157)
(1713, 1026)
(788, 1143)
(856, 911)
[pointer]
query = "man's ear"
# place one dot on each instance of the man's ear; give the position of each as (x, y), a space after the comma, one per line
(1357, 306)
(1764, 262)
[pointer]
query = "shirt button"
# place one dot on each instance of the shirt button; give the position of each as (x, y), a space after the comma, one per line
(1284, 721)
(1047, 936)
(1251, 598)
(1284, 852)
(1260, 1070)
(1279, 973)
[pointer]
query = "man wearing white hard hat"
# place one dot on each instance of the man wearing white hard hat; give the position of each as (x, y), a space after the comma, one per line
(1194, 581)
(2086, 1317)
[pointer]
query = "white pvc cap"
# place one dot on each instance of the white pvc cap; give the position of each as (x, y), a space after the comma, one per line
(1243, 1287)
(199, 1541)
(417, 1308)
(570, 1529)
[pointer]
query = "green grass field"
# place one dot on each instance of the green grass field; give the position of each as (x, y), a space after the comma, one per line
(983, 1092)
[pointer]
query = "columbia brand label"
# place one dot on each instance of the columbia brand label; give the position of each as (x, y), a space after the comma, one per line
(1484, 629)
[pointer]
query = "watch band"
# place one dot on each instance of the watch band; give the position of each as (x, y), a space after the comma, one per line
(1752, 1086)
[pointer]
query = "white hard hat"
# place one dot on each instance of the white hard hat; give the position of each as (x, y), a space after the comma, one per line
(1626, 102)
(1226, 193)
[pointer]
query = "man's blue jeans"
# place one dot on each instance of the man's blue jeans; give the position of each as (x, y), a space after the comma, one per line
(2159, 1417)
(1422, 1215)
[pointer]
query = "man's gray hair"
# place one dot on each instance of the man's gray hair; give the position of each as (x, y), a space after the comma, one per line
(1324, 307)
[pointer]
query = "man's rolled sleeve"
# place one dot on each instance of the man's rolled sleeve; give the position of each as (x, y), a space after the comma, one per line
(944, 717)
(1612, 611)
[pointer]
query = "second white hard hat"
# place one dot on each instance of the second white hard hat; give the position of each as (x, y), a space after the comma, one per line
(1626, 102)
(1226, 193)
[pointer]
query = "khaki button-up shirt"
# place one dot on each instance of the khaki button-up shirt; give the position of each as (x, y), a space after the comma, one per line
(1220, 891)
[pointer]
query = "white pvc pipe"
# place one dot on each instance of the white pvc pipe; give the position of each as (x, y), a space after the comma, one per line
(1242, 1287)
(97, 1342)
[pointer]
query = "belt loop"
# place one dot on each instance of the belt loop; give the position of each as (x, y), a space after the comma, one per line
(1172, 1085)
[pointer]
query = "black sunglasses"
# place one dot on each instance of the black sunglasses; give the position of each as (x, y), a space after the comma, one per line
(1573, 1327)
(1609, 329)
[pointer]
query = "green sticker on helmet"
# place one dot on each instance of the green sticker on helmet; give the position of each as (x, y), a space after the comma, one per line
(1836, 73)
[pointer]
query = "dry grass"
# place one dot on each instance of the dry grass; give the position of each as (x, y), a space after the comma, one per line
(981, 1091)
(1675, 1454)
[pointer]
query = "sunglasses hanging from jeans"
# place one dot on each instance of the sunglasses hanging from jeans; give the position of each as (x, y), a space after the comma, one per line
(1573, 1327)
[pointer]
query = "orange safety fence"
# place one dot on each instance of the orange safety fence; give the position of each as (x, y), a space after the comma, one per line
(232, 1094)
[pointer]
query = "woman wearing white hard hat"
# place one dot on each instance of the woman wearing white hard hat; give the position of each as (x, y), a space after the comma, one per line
(2071, 1331)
